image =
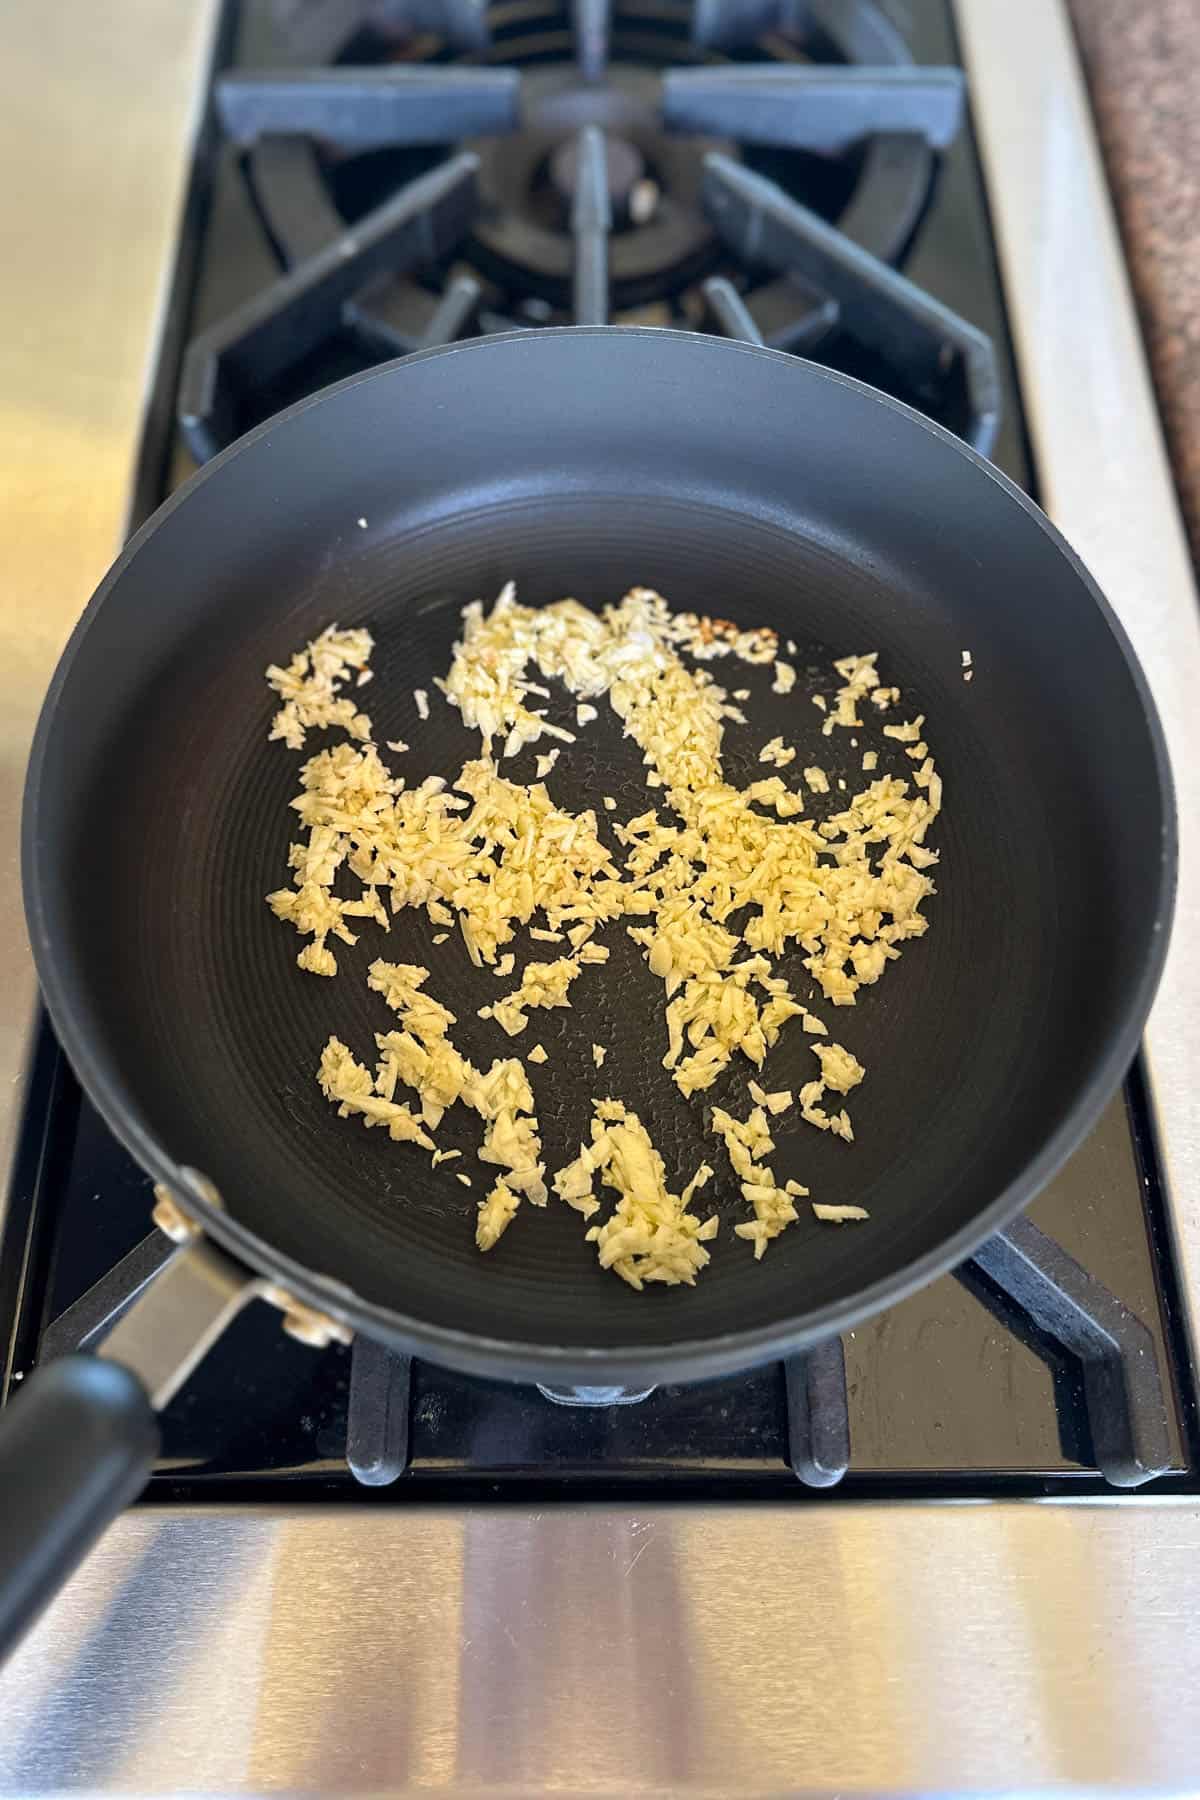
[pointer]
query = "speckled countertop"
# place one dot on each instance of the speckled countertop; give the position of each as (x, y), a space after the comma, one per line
(1142, 61)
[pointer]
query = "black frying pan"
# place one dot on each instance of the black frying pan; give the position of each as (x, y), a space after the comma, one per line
(738, 482)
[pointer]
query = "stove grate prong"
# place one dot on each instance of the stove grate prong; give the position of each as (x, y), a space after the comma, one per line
(910, 330)
(1025, 1270)
(818, 1414)
(359, 109)
(377, 1420)
(591, 222)
(452, 313)
(729, 311)
(591, 22)
(88, 1320)
(819, 107)
(277, 328)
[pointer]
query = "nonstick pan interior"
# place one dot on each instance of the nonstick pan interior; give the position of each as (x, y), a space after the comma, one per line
(737, 483)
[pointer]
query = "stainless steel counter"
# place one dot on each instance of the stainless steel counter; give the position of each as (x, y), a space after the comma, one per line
(1106, 482)
(819, 1648)
(690, 1650)
(98, 111)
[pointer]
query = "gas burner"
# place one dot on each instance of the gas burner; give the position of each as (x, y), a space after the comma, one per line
(586, 67)
(525, 165)
(661, 242)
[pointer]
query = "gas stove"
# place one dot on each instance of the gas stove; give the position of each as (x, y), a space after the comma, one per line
(797, 179)
(374, 177)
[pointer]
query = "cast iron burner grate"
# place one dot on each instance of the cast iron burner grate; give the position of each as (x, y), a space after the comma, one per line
(1028, 1283)
(751, 169)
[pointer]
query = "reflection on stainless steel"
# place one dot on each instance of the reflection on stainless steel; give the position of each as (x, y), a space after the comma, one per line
(803, 1649)
(98, 107)
(1105, 477)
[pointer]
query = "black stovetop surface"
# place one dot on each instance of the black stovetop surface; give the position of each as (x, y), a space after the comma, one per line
(948, 1392)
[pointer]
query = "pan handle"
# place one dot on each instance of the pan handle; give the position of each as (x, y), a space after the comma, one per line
(78, 1442)
(76, 1447)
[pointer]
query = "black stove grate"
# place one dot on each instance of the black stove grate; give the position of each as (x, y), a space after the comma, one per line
(1025, 1279)
(593, 181)
(276, 332)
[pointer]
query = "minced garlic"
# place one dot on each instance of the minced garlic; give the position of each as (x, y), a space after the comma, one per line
(714, 890)
(651, 1236)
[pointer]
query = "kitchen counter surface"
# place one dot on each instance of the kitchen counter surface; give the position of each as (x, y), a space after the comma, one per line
(1143, 69)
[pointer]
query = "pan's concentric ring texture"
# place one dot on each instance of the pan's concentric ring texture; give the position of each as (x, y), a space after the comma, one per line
(737, 482)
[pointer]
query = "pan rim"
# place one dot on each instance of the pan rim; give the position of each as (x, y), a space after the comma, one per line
(685, 1358)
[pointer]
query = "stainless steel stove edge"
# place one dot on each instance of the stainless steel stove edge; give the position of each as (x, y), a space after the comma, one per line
(1105, 478)
(99, 109)
(686, 1649)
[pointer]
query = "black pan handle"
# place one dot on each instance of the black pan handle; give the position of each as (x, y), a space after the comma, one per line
(76, 1446)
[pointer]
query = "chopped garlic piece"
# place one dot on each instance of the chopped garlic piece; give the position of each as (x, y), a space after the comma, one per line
(308, 687)
(839, 1069)
(907, 733)
(777, 1102)
(495, 1215)
(839, 1215)
(350, 1087)
(542, 984)
(422, 700)
(651, 1236)
(598, 1055)
(785, 678)
(536, 1055)
(748, 1142)
(817, 780)
(777, 752)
